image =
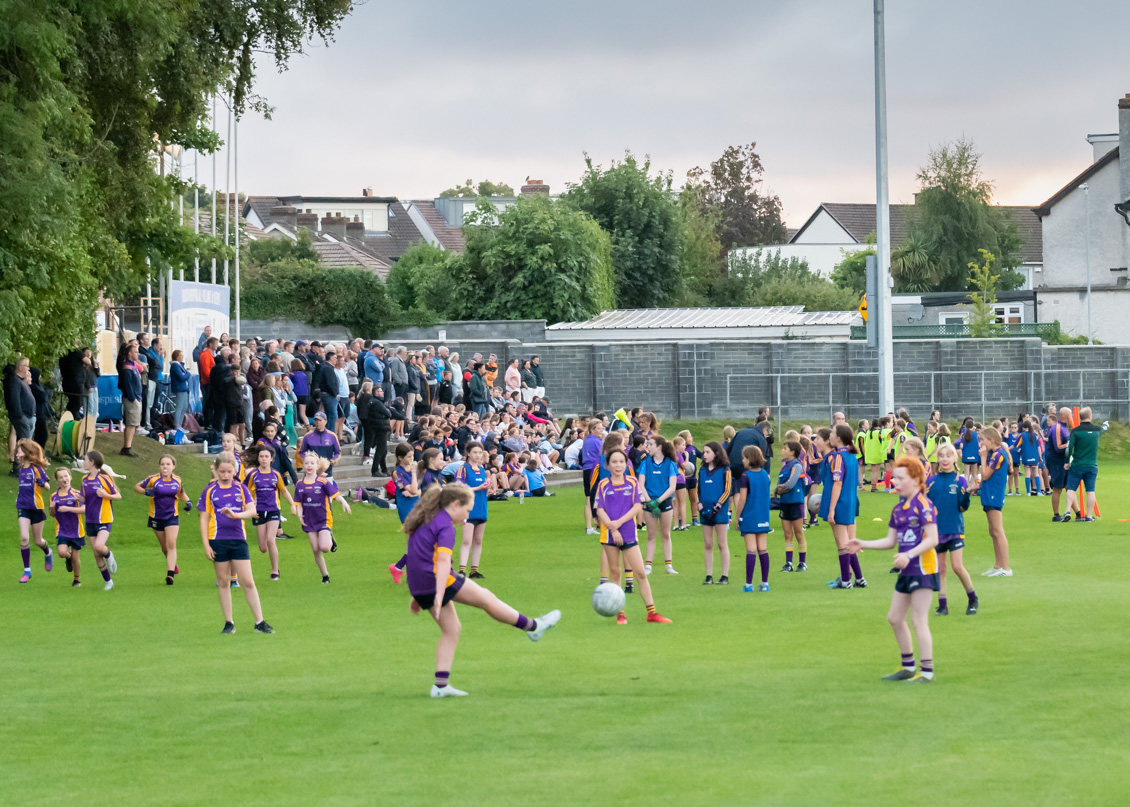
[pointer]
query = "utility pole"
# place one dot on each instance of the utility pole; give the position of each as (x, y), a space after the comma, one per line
(882, 224)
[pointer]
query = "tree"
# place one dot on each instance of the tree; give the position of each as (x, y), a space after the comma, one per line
(537, 259)
(420, 283)
(759, 279)
(982, 319)
(701, 262)
(485, 188)
(87, 92)
(912, 266)
(851, 272)
(953, 213)
(641, 217)
(747, 215)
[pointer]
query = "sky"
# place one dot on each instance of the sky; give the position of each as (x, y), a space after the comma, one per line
(412, 98)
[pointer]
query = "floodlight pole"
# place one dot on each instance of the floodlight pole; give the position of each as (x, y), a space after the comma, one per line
(882, 224)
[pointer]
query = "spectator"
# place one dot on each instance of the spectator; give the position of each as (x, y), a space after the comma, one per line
(91, 374)
(205, 363)
(398, 370)
(535, 368)
(492, 370)
(512, 378)
(529, 382)
(375, 418)
(766, 427)
(300, 380)
(256, 376)
(43, 414)
(71, 377)
(179, 380)
(325, 388)
(752, 436)
(342, 374)
(478, 394)
(129, 382)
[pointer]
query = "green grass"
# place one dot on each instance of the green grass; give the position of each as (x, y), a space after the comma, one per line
(133, 697)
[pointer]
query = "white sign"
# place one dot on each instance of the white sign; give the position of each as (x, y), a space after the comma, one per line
(191, 307)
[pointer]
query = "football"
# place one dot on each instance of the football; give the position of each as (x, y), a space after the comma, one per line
(608, 599)
(814, 503)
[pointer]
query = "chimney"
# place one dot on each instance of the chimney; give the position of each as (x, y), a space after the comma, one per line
(535, 186)
(1102, 144)
(355, 228)
(334, 226)
(366, 191)
(1124, 146)
(285, 215)
(308, 220)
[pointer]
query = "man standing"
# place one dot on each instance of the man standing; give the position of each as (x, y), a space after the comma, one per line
(1056, 456)
(326, 384)
(319, 441)
(129, 382)
(539, 379)
(838, 419)
(479, 395)
(752, 436)
(1083, 463)
(204, 365)
(399, 373)
(766, 429)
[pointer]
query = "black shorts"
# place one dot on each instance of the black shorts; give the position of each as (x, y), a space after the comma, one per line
(226, 549)
(955, 542)
(32, 514)
(263, 518)
(94, 527)
(665, 506)
(586, 479)
(792, 511)
(426, 601)
(73, 543)
(680, 486)
(161, 523)
(692, 483)
(990, 507)
(622, 547)
(910, 583)
(537, 492)
(476, 521)
(1057, 475)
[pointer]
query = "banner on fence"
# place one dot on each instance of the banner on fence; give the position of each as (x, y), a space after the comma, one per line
(191, 307)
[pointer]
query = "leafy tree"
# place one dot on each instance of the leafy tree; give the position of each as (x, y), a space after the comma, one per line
(420, 283)
(641, 217)
(485, 188)
(912, 266)
(272, 250)
(759, 279)
(953, 213)
(539, 258)
(851, 272)
(747, 215)
(982, 319)
(701, 263)
(87, 91)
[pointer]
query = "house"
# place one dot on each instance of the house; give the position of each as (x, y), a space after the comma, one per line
(949, 308)
(1086, 227)
(835, 229)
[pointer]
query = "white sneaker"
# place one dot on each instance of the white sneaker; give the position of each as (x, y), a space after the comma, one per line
(996, 573)
(545, 623)
(647, 568)
(447, 692)
(990, 573)
(366, 461)
(1005, 573)
(671, 569)
(592, 531)
(109, 585)
(112, 563)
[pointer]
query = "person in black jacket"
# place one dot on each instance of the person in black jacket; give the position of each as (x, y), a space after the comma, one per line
(43, 414)
(72, 374)
(752, 436)
(376, 416)
(325, 384)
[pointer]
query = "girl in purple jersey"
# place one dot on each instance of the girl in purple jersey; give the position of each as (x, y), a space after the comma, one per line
(67, 509)
(29, 503)
(268, 487)
(164, 490)
(431, 540)
(314, 496)
(98, 495)
(914, 531)
(224, 505)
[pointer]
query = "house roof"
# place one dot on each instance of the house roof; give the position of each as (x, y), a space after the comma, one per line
(1091, 170)
(450, 237)
(262, 206)
(402, 234)
(858, 220)
(335, 254)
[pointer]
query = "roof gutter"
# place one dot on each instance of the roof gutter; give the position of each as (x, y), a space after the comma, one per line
(1123, 209)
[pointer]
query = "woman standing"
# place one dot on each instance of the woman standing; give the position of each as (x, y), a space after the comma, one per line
(714, 489)
(164, 489)
(256, 375)
(178, 385)
(300, 382)
(529, 382)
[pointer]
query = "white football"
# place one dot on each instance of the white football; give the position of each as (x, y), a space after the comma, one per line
(814, 503)
(608, 599)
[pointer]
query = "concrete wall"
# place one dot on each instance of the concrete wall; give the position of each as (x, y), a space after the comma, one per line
(526, 330)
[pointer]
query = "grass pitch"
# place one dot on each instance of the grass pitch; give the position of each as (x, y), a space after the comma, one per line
(133, 696)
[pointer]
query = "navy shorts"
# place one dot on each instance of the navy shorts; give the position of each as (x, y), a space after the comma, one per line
(1087, 476)
(227, 549)
(990, 507)
(1031, 462)
(948, 543)
(476, 521)
(93, 528)
(161, 523)
(665, 506)
(426, 601)
(1057, 474)
(692, 483)
(622, 547)
(910, 583)
(73, 543)
(792, 511)
(34, 514)
(263, 518)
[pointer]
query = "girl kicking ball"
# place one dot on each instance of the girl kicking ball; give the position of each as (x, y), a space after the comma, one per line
(66, 507)
(267, 486)
(431, 542)
(949, 491)
(164, 490)
(618, 504)
(314, 496)
(29, 504)
(914, 530)
(751, 503)
(224, 505)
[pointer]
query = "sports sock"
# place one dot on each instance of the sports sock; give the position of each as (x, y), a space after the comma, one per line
(764, 566)
(400, 564)
(525, 623)
(629, 576)
(46, 549)
(908, 661)
(25, 553)
(604, 579)
(462, 568)
(474, 569)
(853, 562)
(941, 602)
(668, 562)
(845, 568)
(1036, 484)
(927, 668)
(441, 678)
(750, 566)
(788, 555)
(802, 555)
(1027, 485)
(105, 574)
(972, 595)
(651, 608)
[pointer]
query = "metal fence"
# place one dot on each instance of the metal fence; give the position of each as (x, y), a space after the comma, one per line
(981, 394)
(1047, 331)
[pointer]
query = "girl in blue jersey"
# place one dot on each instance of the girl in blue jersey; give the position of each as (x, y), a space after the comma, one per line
(714, 488)
(1030, 456)
(32, 477)
(268, 486)
(67, 510)
(994, 472)
(913, 530)
(659, 474)
(164, 490)
(1012, 442)
(475, 475)
(970, 447)
(841, 491)
(791, 491)
(751, 503)
(407, 486)
(691, 473)
(949, 491)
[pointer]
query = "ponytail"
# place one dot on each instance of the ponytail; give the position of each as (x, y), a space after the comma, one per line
(433, 500)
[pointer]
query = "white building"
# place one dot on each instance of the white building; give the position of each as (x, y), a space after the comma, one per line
(1087, 235)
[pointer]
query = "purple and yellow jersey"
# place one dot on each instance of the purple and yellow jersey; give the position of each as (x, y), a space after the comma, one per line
(909, 520)
(98, 510)
(616, 501)
(425, 546)
(315, 498)
(267, 488)
(431, 478)
(33, 480)
(1058, 437)
(214, 499)
(162, 495)
(601, 472)
(67, 525)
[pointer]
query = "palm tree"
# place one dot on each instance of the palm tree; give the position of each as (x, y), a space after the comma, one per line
(913, 267)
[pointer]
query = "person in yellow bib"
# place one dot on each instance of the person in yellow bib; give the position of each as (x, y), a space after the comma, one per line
(874, 449)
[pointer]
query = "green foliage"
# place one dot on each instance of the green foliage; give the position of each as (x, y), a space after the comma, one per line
(420, 283)
(271, 250)
(537, 259)
(1060, 337)
(982, 319)
(642, 219)
(912, 266)
(759, 279)
(732, 187)
(485, 188)
(701, 262)
(86, 91)
(851, 272)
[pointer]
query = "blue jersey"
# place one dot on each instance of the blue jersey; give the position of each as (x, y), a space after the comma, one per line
(402, 479)
(993, 488)
(842, 466)
(473, 477)
(795, 494)
(1029, 449)
(657, 476)
(970, 449)
(825, 479)
(950, 494)
(714, 488)
(1013, 443)
(754, 517)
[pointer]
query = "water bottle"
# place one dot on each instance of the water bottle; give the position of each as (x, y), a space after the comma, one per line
(161, 438)
(521, 497)
(205, 444)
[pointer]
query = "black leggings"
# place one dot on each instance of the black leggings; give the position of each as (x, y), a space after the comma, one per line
(376, 437)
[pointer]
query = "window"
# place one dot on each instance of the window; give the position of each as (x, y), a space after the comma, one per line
(951, 321)
(1009, 313)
